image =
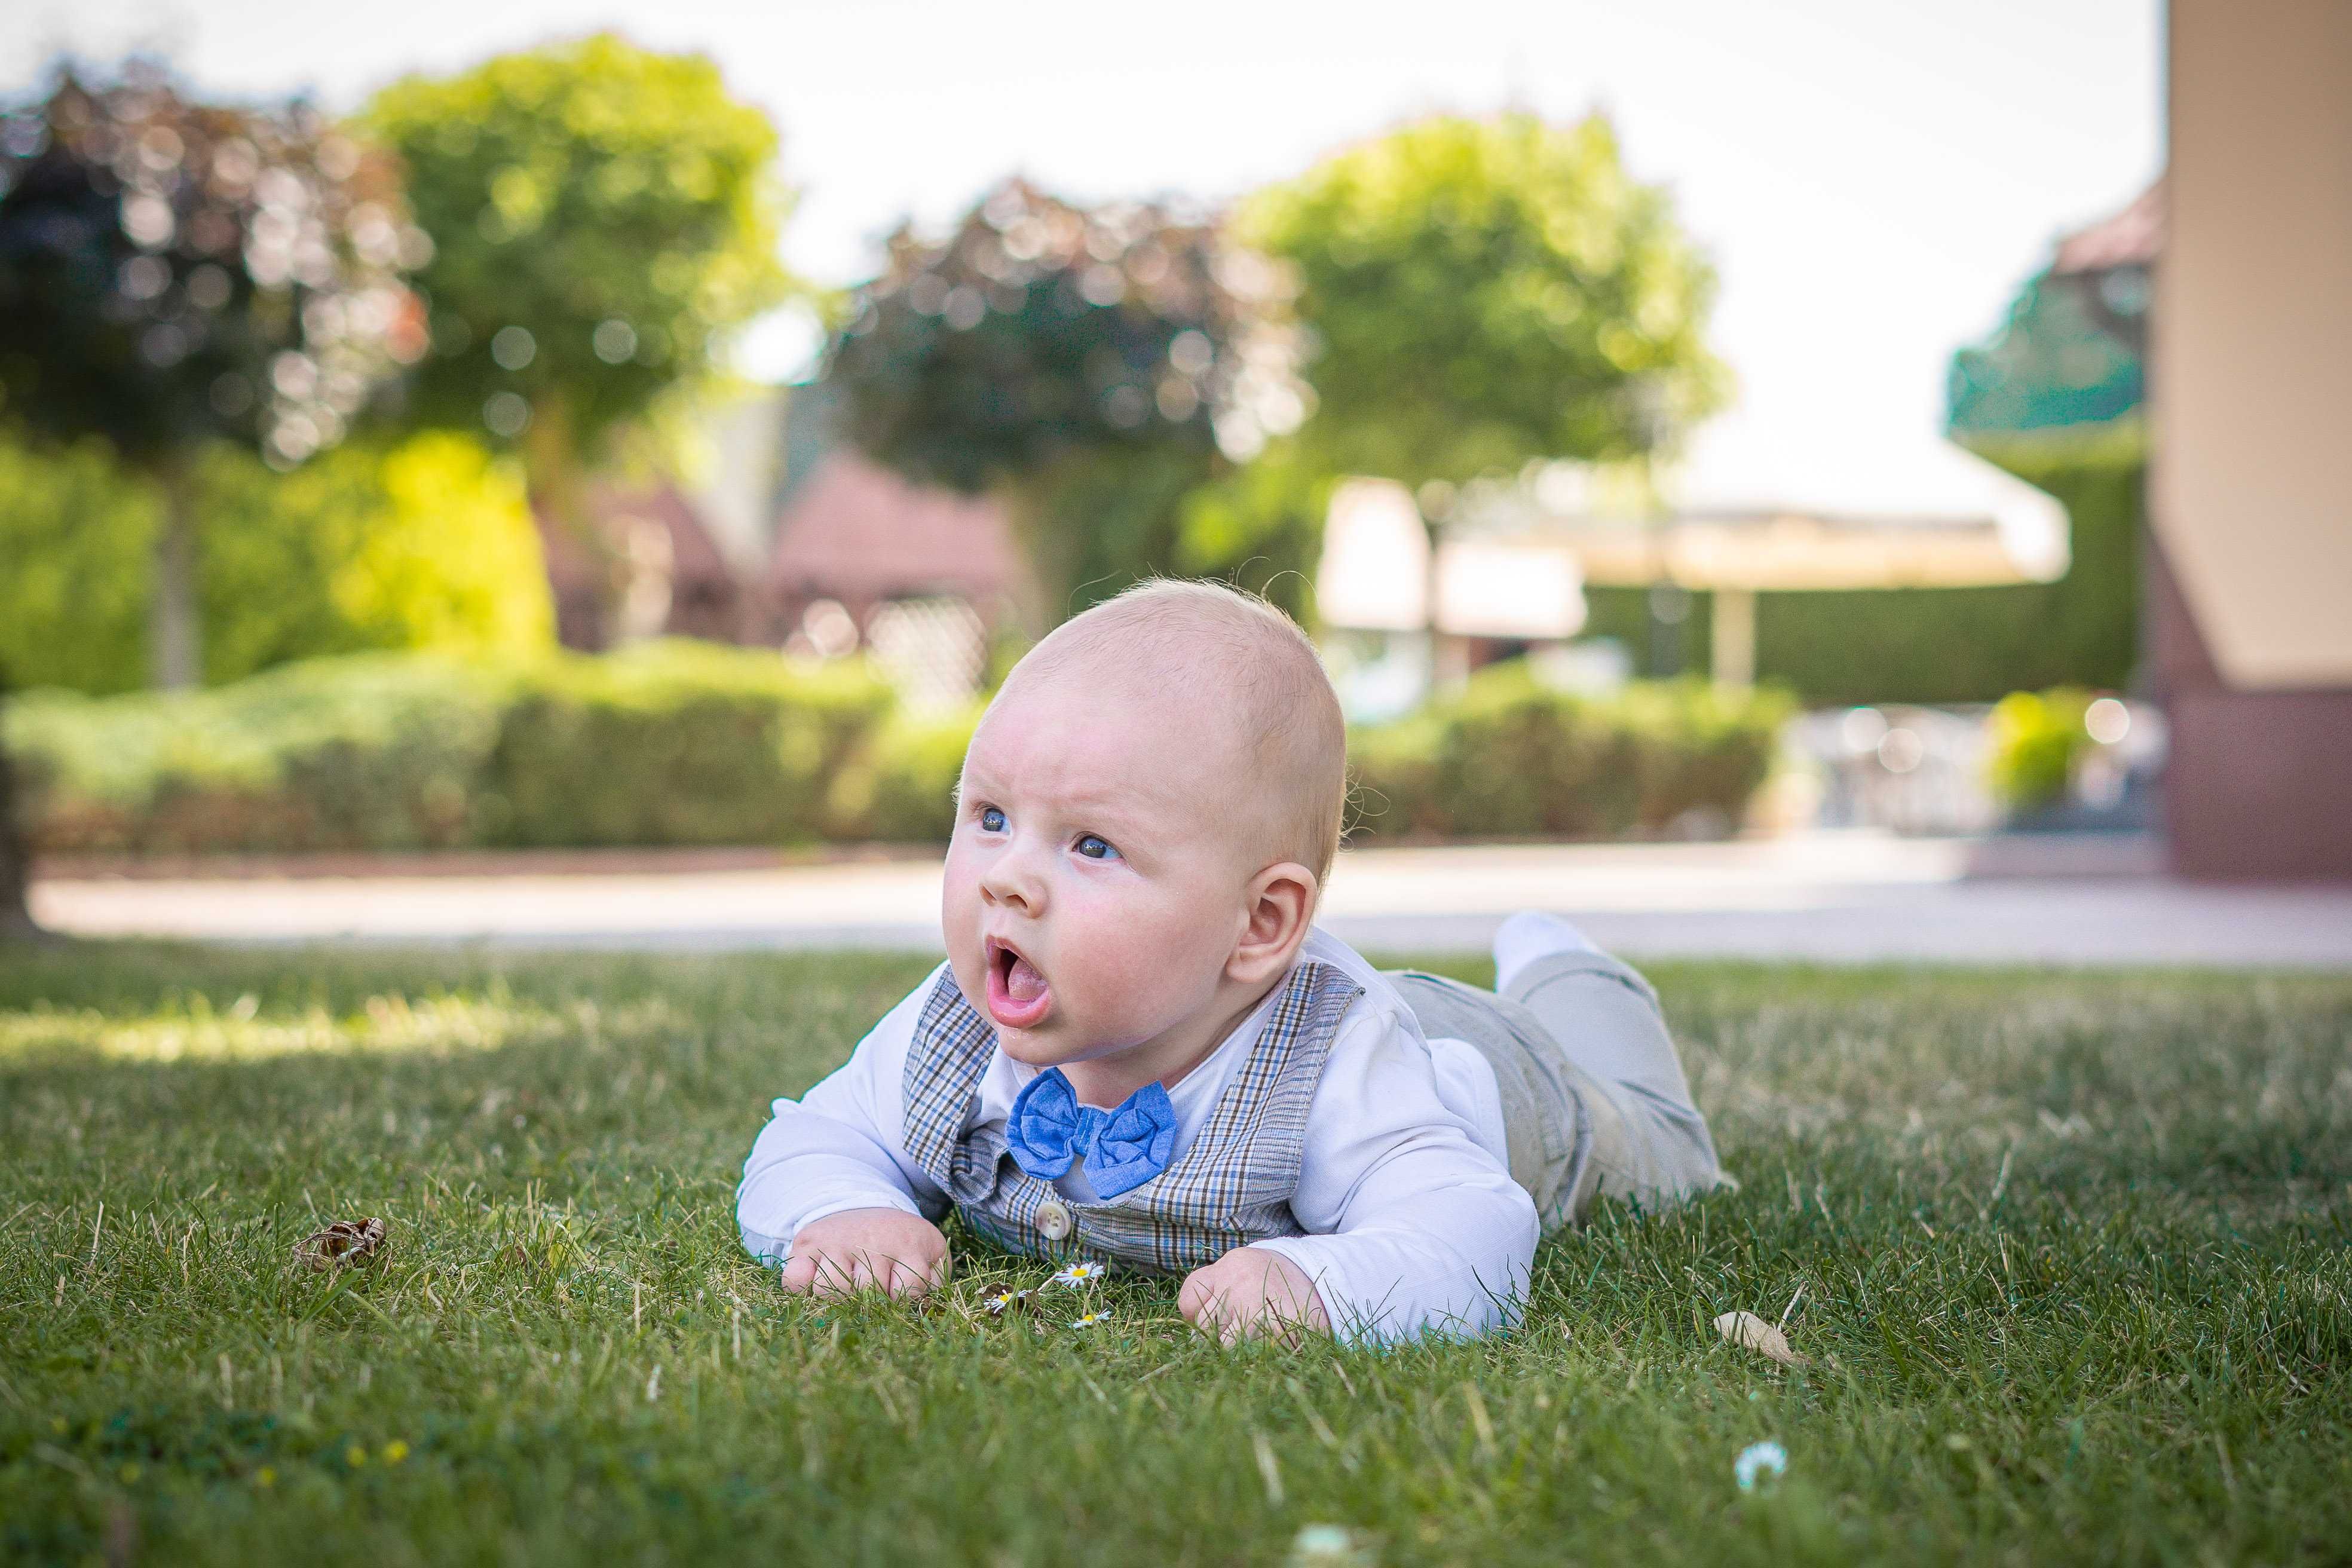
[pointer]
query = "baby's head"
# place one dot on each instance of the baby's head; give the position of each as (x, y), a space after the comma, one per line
(1146, 817)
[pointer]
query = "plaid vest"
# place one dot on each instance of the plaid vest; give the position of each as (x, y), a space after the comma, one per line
(1230, 1185)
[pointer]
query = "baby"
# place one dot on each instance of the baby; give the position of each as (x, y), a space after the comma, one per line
(1141, 1049)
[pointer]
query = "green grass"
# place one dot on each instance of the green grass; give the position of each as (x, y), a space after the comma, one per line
(2071, 1254)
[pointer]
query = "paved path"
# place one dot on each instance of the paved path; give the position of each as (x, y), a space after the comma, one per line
(1833, 898)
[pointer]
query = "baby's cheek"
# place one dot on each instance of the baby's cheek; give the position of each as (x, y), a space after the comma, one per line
(960, 924)
(1142, 968)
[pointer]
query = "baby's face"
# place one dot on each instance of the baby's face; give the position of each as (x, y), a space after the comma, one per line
(1097, 880)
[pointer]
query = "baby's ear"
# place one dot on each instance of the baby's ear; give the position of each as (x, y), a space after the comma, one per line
(1280, 908)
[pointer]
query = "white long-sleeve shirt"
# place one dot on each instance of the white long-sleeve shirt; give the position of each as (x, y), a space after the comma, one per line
(1414, 1223)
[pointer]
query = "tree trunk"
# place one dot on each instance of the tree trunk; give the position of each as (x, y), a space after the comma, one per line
(176, 625)
(552, 465)
(16, 862)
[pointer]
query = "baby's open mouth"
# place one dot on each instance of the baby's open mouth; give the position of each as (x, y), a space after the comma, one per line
(1018, 996)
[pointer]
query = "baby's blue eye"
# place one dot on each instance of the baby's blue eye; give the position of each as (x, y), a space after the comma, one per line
(1094, 848)
(991, 819)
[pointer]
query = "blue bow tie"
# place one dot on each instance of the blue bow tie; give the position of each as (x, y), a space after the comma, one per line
(1122, 1148)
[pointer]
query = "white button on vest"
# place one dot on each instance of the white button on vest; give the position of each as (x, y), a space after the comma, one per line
(1052, 1220)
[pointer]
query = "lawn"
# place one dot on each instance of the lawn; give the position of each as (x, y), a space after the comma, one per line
(2068, 1256)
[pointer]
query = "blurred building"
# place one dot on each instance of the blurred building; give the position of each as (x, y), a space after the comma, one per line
(2216, 300)
(922, 580)
(787, 537)
(2072, 353)
(857, 535)
(2250, 604)
(1401, 615)
(644, 564)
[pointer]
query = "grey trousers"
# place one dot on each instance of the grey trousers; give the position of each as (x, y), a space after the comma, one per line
(1594, 1100)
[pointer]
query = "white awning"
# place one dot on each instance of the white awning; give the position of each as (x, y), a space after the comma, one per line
(1770, 510)
(1374, 575)
(1491, 589)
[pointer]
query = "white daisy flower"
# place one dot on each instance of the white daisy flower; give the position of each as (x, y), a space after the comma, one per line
(1079, 1274)
(1003, 1301)
(1090, 1319)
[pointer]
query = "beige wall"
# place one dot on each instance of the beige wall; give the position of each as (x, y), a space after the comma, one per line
(2251, 364)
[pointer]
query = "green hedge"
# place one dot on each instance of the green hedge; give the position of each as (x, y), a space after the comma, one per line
(692, 743)
(380, 751)
(670, 743)
(1506, 757)
(1956, 645)
(678, 742)
(900, 788)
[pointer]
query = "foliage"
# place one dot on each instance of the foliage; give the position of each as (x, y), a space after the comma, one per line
(900, 787)
(1958, 645)
(1259, 527)
(674, 742)
(173, 272)
(2066, 1251)
(1506, 757)
(602, 216)
(377, 751)
(2038, 743)
(1087, 363)
(78, 535)
(666, 744)
(2056, 362)
(1037, 330)
(424, 544)
(1484, 292)
(690, 743)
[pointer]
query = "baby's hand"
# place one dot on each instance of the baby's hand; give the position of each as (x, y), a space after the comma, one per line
(1249, 1292)
(888, 1250)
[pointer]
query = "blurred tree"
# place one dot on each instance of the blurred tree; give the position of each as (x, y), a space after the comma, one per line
(1260, 527)
(1090, 364)
(174, 273)
(1484, 292)
(427, 542)
(603, 217)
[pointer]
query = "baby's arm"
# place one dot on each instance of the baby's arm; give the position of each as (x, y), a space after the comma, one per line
(829, 1193)
(1412, 1226)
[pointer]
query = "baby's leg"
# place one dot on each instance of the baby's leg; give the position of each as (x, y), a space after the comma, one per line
(1606, 1020)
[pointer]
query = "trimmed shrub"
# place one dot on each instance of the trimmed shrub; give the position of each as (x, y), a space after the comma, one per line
(665, 744)
(1507, 757)
(901, 789)
(381, 751)
(694, 744)
(674, 742)
(2038, 741)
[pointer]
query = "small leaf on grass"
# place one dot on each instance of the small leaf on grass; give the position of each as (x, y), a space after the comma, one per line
(340, 1245)
(1752, 1332)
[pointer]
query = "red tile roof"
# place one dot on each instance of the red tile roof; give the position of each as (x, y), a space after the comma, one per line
(2132, 237)
(857, 532)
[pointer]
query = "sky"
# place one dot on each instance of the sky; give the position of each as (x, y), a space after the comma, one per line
(1872, 178)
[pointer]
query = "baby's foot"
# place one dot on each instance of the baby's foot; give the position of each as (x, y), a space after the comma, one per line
(1529, 935)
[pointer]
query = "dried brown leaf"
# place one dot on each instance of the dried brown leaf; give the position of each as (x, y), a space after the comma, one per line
(1752, 1332)
(342, 1245)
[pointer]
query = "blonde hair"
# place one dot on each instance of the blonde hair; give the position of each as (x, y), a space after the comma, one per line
(1255, 654)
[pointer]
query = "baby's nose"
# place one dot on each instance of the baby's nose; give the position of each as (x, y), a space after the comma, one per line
(1011, 881)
